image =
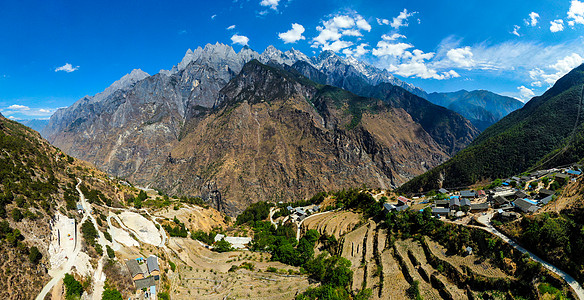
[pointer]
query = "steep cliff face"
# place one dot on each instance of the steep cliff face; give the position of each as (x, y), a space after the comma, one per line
(202, 129)
(130, 131)
(281, 137)
(449, 129)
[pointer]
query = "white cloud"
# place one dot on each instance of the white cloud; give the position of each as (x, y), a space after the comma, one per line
(239, 39)
(393, 37)
(363, 24)
(273, 4)
(417, 67)
(338, 26)
(557, 70)
(17, 107)
(293, 35)
(352, 32)
(231, 27)
(385, 48)
(525, 93)
(67, 68)
(576, 13)
(360, 50)
(533, 19)
(402, 19)
(382, 21)
(515, 28)
(213, 17)
(17, 112)
(462, 57)
(557, 25)
(337, 45)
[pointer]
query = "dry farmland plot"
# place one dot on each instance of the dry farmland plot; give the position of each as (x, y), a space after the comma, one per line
(394, 282)
(333, 223)
(480, 266)
(204, 275)
(426, 289)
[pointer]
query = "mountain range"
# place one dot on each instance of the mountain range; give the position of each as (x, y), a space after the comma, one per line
(482, 108)
(239, 127)
(547, 132)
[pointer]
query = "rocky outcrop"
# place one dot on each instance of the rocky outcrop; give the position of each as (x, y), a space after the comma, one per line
(277, 137)
(234, 135)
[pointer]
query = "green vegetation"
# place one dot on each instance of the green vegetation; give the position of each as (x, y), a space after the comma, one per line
(111, 294)
(110, 252)
(222, 246)
(172, 265)
(89, 232)
(256, 212)
(163, 296)
(34, 255)
(73, 287)
(527, 138)
(414, 291)
(207, 238)
(94, 196)
(335, 278)
(178, 230)
(558, 238)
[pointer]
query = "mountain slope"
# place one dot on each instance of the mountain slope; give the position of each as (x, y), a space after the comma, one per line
(449, 129)
(482, 108)
(37, 181)
(279, 136)
(35, 124)
(520, 141)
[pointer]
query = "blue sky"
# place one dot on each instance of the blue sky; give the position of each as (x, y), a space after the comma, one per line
(53, 53)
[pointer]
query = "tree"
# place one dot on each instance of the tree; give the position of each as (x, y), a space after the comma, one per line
(73, 287)
(111, 294)
(34, 255)
(222, 246)
(110, 252)
(17, 215)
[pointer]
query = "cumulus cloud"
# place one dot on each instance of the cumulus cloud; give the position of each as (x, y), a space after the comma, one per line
(525, 93)
(557, 25)
(533, 19)
(362, 24)
(239, 39)
(67, 68)
(393, 37)
(357, 51)
(385, 48)
(332, 31)
(462, 57)
(382, 21)
(515, 30)
(557, 70)
(402, 19)
(337, 45)
(416, 66)
(18, 112)
(576, 13)
(293, 35)
(17, 107)
(231, 27)
(273, 4)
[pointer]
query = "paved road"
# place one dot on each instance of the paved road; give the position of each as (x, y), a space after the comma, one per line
(59, 273)
(486, 220)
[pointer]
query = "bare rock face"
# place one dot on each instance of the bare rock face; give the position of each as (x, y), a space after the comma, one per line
(236, 131)
(277, 138)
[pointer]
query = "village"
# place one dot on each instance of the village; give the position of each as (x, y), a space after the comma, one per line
(506, 199)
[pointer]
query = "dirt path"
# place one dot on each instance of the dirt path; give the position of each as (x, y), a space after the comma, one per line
(272, 211)
(98, 276)
(60, 271)
(486, 220)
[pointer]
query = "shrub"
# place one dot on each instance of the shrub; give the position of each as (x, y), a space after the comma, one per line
(34, 255)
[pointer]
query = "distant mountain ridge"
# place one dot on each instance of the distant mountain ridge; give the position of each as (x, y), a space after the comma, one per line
(482, 108)
(35, 124)
(548, 131)
(146, 129)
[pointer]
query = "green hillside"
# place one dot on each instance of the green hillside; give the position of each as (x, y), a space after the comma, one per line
(527, 138)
